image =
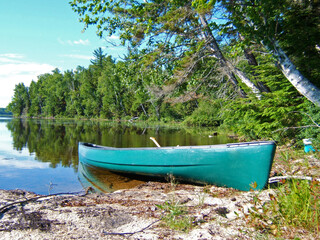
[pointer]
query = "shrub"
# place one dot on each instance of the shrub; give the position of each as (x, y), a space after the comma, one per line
(207, 114)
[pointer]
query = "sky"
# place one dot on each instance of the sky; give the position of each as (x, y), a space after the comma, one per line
(37, 36)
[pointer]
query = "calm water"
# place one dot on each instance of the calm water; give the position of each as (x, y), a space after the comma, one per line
(42, 155)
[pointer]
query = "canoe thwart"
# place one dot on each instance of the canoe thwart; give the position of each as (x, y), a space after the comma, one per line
(155, 141)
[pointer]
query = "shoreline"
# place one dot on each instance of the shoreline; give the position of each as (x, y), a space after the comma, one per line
(217, 213)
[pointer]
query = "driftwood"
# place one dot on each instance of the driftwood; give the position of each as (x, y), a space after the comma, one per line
(10, 205)
(279, 178)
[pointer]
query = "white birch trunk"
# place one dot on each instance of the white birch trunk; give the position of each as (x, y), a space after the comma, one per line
(301, 83)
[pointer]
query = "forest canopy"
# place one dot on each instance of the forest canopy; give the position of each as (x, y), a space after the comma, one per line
(250, 66)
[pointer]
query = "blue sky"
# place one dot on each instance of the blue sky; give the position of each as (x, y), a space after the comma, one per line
(38, 36)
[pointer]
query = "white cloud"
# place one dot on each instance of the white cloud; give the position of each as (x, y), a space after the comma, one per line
(10, 58)
(82, 42)
(75, 42)
(12, 55)
(14, 70)
(77, 56)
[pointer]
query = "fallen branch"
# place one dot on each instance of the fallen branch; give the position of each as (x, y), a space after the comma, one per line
(316, 124)
(278, 179)
(131, 233)
(5, 208)
(286, 128)
(307, 126)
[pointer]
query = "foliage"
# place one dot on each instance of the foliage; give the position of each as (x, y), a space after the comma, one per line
(277, 109)
(99, 57)
(20, 103)
(301, 35)
(257, 120)
(277, 25)
(169, 34)
(122, 90)
(294, 24)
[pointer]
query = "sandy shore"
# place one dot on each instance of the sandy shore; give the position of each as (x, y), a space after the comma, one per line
(217, 213)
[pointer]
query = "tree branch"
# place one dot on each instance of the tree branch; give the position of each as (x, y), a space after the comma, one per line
(286, 128)
(316, 124)
(307, 126)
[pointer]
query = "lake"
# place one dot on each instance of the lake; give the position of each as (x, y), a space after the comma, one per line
(42, 155)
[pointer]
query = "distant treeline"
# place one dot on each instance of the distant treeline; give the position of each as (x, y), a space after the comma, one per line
(3, 112)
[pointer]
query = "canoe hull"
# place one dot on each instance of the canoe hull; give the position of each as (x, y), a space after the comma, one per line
(239, 166)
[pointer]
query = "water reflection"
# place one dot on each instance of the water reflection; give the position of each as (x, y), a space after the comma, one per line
(22, 164)
(56, 141)
(101, 180)
(50, 141)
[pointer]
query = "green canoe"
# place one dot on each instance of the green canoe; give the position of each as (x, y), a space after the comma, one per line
(237, 165)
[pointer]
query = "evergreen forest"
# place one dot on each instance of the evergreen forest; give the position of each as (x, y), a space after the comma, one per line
(249, 66)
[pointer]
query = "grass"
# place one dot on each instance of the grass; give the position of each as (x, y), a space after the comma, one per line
(294, 208)
(297, 204)
(176, 216)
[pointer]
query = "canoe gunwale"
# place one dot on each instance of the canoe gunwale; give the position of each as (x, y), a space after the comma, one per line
(229, 145)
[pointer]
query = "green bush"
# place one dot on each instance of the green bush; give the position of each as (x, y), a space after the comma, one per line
(207, 114)
(274, 116)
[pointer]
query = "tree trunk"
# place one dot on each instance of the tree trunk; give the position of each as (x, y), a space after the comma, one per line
(144, 110)
(253, 62)
(301, 83)
(156, 107)
(250, 57)
(213, 45)
(244, 79)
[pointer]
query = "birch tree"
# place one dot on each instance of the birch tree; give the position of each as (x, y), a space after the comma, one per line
(266, 22)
